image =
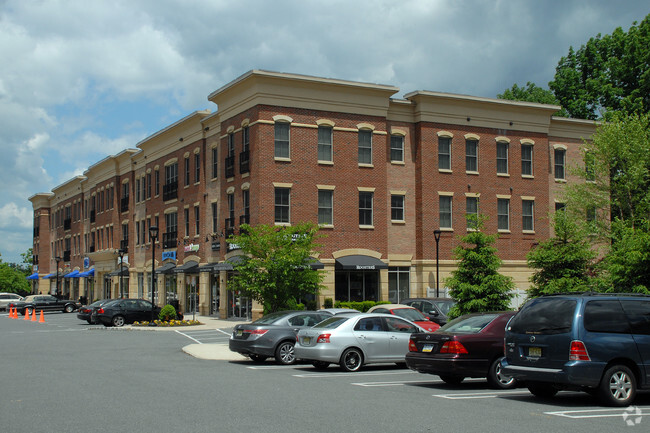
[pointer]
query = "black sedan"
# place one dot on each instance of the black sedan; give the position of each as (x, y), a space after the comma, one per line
(45, 303)
(119, 312)
(85, 311)
(273, 335)
(468, 346)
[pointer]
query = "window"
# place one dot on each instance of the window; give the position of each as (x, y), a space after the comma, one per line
(503, 213)
(171, 230)
(137, 192)
(445, 211)
(398, 284)
(282, 205)
(559, 156)
(215, 216)
(591, 214)
(187, 171)
(365, 208)
(325, 206)
(137, 233)
(231, 145)
(215, 162)
(186, 215)
(471, 212)
(528, 215)
(282, 140)
(325, 143)
(157, 179)
(559, 206)
(444, 153)
(397, 207)
(471, 155)
(245, 139)
(502, 157)
(197, 168)
(526, 160)
(197, 221)
(397, 148)
(365, 146)
(590, 167)
(148, 185)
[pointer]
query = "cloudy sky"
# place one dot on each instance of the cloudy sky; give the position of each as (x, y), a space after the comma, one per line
(80, 80)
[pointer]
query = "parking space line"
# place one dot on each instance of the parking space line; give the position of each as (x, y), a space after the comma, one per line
(185, 335)
(400, 383)
(475, 395)
(346, 374)
(632, 411)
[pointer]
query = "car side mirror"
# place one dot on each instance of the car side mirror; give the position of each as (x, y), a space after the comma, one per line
(433, 313)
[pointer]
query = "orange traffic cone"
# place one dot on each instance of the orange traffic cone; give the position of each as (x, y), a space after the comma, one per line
(34, 315)
(26, 314)
(15, 313)
(42, 319)
(11, 312)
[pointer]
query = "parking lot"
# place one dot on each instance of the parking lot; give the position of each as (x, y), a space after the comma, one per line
(132, 371)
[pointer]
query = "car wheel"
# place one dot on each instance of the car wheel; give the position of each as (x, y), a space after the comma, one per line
(284, 353)
(541, 390)
(69, 308)
(258, 358)
(618, 386)
(452, 379)
(320, 365)
(496, 379)
(351, 360)
(118, 321)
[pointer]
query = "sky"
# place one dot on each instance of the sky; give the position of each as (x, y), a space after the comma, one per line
(81, 80)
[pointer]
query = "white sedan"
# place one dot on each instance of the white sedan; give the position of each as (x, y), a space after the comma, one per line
(354, 340)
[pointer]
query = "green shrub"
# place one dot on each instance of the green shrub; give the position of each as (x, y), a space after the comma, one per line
(167, 313)
(328, 303)
(359, 306)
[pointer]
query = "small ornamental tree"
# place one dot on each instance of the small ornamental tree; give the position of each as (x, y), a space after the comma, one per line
(477, 285)
(275, 269)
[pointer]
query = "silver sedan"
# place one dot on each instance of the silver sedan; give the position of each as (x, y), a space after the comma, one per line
(354, 340)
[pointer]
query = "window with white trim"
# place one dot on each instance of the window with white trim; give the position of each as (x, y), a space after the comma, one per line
(445, 211)
(325, 206)
(503, 213)
(282, 205)
(526, 160)
(282, 139)
(365, 146)
(471, 209)
(528, 215)
(324, 143)
(444, 153)
(365, 208)
(471, 155)
(559, 156)
(502, 157)
(397, 148)
(397, 207)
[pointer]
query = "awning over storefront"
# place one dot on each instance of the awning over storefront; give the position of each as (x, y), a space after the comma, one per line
(222, 266)
(33, 277)
(90, 273)
(50, 275)
(167, 268)
(73, 274)
(315, 263)
(116, 272)
(190, 267)
(359, 263)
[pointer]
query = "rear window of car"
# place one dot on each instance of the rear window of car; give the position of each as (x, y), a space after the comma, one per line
(445, 306)
(638, 314)
(408, 313)
(270, 318)
(468, 325)
(332, 322)
(606, 316)
(544, 316)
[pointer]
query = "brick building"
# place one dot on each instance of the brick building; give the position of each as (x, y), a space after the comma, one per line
(378, 174)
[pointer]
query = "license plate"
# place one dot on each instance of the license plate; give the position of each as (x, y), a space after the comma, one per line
(306, 340)
(239, 333)
(535, 352)
(427, 348)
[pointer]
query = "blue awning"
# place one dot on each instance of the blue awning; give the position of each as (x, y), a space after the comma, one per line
(33, 277)
(50, 275)
(73, 274)
(90, 273)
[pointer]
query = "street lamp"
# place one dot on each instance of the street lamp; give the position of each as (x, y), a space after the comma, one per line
(121, 253)
(58, 259)
(153, 234)
(436, 235)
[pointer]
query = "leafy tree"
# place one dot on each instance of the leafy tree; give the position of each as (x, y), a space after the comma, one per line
(628, 261)
(12, 280)
(563, 263)
(476, 284)
(532, 93)
(275, 269)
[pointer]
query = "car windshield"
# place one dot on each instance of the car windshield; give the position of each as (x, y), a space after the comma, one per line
(409, 314)
(332, 322)
(112, 303)
(98, 303)
(270, 318)
(445, 306)
(544, 316)
(468, 324)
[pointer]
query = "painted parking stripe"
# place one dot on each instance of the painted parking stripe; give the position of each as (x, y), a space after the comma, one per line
(188, 336)
(601, 413)
(475, 395)
(400, 383)
(350, 374)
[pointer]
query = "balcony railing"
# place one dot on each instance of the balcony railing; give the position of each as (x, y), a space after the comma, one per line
(244, 162)
(92, 216)
(170, 191)
(67, 223)
(124, 204)
(169, 239)
(230, 166)
(124, 245)
(66, 256)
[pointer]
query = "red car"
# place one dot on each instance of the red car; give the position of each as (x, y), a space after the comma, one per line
(408, 313)
(468, 346)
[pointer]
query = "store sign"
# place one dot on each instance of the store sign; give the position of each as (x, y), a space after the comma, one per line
(191, 248)
(216, 246)
(168, 255)
(232, 247)
(365, 267)
(86, 262)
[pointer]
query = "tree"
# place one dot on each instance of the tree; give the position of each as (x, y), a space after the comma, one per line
(563, 263)
(275, 268)
(12, 280)
(628, 261)
(476, 284)
(532, 93)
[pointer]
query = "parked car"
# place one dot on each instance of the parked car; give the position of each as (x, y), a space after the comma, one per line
(436, 309)
(599, 343)
(45, 303)
(408, 313)
(354, 340)
(85, 311)
(468, 346)
(119, 312)
(335, 311)
(273, 335)
(8, 299)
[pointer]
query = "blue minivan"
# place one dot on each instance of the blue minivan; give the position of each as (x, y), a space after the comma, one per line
(594, 342)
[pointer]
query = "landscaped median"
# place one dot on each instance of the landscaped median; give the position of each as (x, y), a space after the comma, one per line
(170, 323)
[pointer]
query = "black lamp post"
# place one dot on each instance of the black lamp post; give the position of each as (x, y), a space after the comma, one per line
(153, 234)
(121, 253)
(58, 259)
(436, 235)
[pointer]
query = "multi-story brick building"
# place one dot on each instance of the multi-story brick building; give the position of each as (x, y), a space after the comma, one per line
(378, 174)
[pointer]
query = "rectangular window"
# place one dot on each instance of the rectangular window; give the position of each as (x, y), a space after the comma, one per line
(148, 185)
(503, 213)
(445, 211)
(365, 208)
(559, 206)
(559, 155)
(590, 167)
(528, 215)
(471, 155)
(444, 153)
(324, 143)
(157, 180)
(187, 171)
(215, 163)
(325, 206)
(197, 167)
(231, 145)
(197, 221)
(398, 284)
(171, 173)
(502, 158)
(137, 191)
(246, 203)
(397, 148)
(282, 140)
(526, 160)
(186, 215)
(137, 232)
(471, 212)
(282, 205)
(365, 146)
(397, 207)
(215, 220)
(245, 139)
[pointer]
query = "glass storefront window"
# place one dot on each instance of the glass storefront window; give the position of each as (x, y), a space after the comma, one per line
(398, 284)
(355, 286)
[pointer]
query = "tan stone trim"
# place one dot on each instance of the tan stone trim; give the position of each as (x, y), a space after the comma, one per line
(245, 186)
(527, 141)
(170, 210)
(560, 146)
(230, 190)
(504, 196)
(282, 185)
(472, 137)
(282, 118)
(365, 126)
(445, 193)
(365, 189)
(398, 131)
(395, 192)
(527, 197)
(445, 134)
(502, 139)
(325, 122)
(326, 187)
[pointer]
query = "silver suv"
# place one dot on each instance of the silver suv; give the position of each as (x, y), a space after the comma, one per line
(9, 298)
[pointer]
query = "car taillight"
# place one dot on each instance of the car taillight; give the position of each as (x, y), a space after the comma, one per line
(323, 338)
(578, 351)
(412, 346)
(453, 347)
(100, 311)
(256, 331)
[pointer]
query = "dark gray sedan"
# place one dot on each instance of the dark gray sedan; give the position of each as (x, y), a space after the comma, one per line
(273, 335)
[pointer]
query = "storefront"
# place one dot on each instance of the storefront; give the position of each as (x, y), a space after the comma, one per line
(188, 273)
(357, 278)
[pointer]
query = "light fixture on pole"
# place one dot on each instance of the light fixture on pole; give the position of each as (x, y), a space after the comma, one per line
(121, 253)
(58, 259)
(153, 234)
(436, 235)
